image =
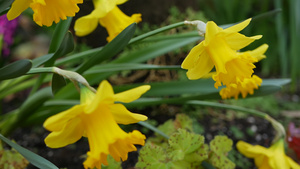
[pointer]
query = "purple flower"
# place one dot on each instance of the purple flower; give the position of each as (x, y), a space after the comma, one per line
(7, 29)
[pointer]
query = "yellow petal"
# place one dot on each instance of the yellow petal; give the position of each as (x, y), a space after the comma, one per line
(258, 53)
(54, 10)
(104, 95)
(251, 151)
(132, 94)
(72, 131)
(106, 137)
(190, 61)
(237, 41)
(123, 116)
(57, 122)
(17, 7)
(119, 2)
(292, 163)
(211, 30)
(85, 25)
(203, 66)
(116, 21)
(103, 7)
(238, 27)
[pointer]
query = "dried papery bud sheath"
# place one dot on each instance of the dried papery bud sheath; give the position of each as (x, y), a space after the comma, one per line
(74, 77)
(201, 26)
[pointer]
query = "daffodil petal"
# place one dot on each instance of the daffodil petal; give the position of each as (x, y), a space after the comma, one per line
(54, 11)
(124, 116)
(189, 61)
(292, 163)
(104, 95)
(85, 25)
(203, 66)
(258, 53)
(72, 132)
(238, 27)
(56, 122)
(251, 151)
(17, 7)
(102, 7)
(211, 30)
(119, 2)
(132, 94)
(237, 41)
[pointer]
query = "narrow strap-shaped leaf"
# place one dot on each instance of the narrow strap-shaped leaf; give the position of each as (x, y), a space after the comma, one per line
(109, 50)
(15, 69)
(59, 34)
(4, 5)
(33, 158)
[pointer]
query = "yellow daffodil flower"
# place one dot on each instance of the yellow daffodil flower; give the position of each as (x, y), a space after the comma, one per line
(45, 11)
(268, 158)
(248, 85)
(219, 49)
(109, 16)
(96, 118)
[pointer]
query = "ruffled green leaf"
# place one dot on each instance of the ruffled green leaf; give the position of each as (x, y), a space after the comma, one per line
(153, 157)
(220, 146)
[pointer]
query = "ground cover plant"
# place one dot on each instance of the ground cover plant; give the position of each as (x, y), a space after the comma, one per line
(116, 84)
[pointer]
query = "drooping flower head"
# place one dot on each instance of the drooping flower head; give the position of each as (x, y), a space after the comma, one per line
(273, 157)
(96, 118)
(219, 49)
(45, 11)
(7, 30)
(109, 16)
(246, 86)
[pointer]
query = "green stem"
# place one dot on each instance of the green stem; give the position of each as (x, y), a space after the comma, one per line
(230, 107)
(156, 31)
(41, 70)
(280, 132)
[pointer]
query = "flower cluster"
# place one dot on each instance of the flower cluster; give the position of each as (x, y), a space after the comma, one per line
(7, 30)
(109, 16)
(97, 118)
(219, 49)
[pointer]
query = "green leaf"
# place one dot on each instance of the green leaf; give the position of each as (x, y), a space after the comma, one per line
(4, 6)
(41, 60)
(183, 121)
(112, 164)
(109, 50)
(67, 45)
(59, 34)
(126, 66)
(183, 143)
(220, 146)
(15, 69)
(58, 82)
(153, 157)
(156, 49)
(33, 158)
(11, 159)
(28, 108)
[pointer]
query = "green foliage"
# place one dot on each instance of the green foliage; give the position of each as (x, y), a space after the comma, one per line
(219, 147)
(15, 69)
(11, 159)
(112, 164)
(184, 149)
(33, 158)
